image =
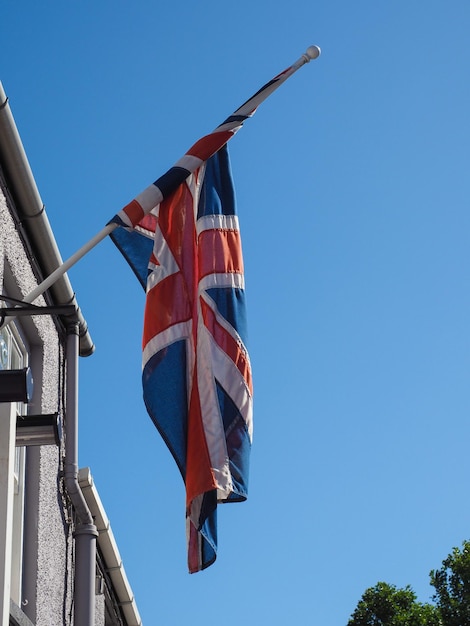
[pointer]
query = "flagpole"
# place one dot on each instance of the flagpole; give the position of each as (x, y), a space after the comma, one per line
(312, 52)
(188, 163)
(60, 271)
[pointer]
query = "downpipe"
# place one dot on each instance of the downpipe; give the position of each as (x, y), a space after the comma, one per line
(85, 533)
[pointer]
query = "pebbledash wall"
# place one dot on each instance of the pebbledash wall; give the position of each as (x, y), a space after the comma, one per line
(46, 592)
(45, 530)
(41, 580)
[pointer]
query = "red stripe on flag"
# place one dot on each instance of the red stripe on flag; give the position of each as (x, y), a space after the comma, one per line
(199, 474)
(176, 221)
(194, 549)
(208, 145)
(149, 224)
(166, 304)
(220, 251)
(134, 212)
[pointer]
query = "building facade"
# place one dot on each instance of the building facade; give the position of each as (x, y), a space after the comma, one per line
(59, 563)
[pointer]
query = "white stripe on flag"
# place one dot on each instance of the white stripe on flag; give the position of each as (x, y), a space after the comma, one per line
(149, 198)
(217, 222)
(229, 279)
(210, 412)
(166, 338)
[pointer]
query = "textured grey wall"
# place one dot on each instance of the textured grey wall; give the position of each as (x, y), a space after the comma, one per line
(53, 542)
(48, 528)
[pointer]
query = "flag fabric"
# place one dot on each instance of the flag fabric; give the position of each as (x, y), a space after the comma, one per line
(197, 378)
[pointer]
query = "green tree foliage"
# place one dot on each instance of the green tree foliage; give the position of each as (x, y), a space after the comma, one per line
(385, 605)
(452, 585)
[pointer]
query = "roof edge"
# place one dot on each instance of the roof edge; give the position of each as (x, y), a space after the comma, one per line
(109, 549)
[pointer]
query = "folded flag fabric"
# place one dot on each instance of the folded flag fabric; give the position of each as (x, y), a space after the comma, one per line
(196, 371)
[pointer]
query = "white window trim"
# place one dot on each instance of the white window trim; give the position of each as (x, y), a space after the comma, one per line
(16, 358)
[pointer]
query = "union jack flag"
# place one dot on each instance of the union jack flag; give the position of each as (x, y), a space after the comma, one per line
(196, 370)
(181, 238)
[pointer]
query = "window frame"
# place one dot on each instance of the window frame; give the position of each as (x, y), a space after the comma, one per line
(14, 354)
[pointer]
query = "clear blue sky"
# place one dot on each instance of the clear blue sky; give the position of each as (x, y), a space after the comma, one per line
(353, 195)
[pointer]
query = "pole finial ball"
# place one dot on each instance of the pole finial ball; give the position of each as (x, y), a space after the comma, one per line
(313, 52)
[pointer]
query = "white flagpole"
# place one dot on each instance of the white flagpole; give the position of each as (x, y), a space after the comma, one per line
(60, 271)
(312, 52)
